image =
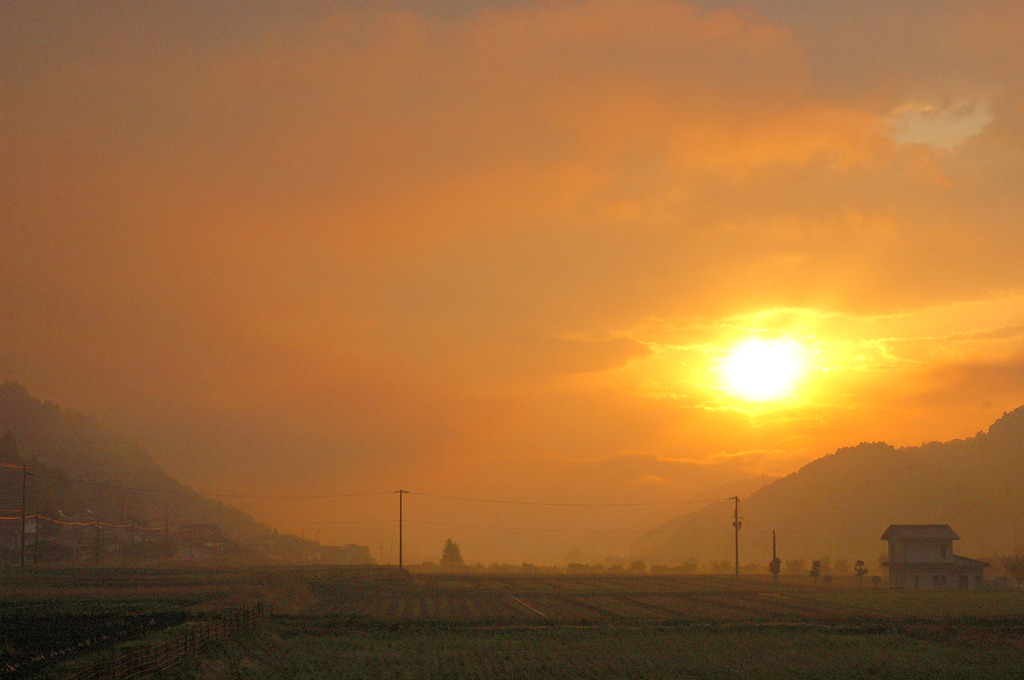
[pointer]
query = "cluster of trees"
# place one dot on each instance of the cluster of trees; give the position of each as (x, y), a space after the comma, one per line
(821, 569)
(1014, 565)
(634, 567)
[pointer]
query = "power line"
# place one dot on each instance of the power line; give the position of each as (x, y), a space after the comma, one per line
(193, 492)
(112, 525)
(566, 505)
(338, 523)
(755, 527)
(561, 531)
(84, 524)
(401, 519)
(236, 495)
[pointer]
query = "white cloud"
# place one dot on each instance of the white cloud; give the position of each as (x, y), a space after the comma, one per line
(945, 126)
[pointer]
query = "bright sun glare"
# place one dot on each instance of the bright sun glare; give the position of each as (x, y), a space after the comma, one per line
(761, 370)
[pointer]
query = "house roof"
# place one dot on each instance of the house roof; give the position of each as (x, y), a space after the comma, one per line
(920, 531)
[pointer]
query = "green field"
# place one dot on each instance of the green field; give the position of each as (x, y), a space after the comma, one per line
(378, 623)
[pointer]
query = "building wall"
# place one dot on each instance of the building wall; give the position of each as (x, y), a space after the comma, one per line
(930, 578)
(920, 551)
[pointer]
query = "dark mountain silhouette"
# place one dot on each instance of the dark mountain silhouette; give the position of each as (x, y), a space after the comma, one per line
(83, 469)
(839, 505)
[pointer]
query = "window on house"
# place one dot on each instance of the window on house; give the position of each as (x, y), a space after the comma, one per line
(943, 551)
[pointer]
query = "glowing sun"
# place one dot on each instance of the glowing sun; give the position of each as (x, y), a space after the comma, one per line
(761, 370)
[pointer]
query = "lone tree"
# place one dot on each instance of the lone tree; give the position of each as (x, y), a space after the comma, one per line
(451, 554)
(860, 570)
(816, 570)
(1015, 568)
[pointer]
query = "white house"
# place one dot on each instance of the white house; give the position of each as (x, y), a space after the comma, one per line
(921, 556)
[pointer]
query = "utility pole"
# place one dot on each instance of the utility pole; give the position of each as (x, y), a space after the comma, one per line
(400, 492)
(120, 529)
(775, 560)
(24, 505)
(736, 526)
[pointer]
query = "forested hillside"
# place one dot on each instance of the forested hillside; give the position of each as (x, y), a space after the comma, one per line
(839, 505)
(83, 470)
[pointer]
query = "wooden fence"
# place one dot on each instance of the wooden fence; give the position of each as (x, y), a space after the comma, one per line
(135, 663)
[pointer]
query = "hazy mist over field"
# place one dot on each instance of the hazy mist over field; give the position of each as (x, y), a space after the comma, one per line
(563, 270)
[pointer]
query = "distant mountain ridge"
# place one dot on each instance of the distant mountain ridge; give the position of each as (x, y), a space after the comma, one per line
(836, 506)
(839, 505)
(81, 465)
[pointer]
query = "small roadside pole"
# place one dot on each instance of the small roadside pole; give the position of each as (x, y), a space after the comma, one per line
(120, 528)
(24, 491)
(400, 492)
(776, 565)
(736, 524)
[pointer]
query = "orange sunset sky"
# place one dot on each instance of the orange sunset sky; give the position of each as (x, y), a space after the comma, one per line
(511, 250)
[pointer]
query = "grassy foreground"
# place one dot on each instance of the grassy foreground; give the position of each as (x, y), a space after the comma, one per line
(602, 651)
(378, 623)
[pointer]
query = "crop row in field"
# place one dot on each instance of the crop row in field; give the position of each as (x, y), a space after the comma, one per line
(591, 606)
(57, 614)
(336, 602)
(581, 599)
(619, 651)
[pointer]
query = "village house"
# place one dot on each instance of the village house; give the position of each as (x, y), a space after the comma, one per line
(200, 541)
(346, 554)
(921, 556)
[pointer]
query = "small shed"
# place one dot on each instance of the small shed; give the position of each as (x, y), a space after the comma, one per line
(921, 556)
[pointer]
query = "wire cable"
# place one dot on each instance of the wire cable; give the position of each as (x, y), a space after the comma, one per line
(340, 522)
(754, 526)
(564, 505)
(559, 531)
(193, 492)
